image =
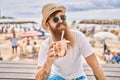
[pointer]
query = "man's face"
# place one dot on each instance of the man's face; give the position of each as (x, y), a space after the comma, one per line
(57, 23)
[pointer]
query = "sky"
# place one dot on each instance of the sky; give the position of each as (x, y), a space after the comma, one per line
(76, 9)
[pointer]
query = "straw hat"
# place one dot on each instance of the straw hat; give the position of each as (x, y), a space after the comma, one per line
(47, 10)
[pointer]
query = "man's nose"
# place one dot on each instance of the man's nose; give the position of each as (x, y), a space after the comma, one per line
(60, 20)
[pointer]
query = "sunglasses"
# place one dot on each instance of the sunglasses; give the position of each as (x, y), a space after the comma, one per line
(56, 19)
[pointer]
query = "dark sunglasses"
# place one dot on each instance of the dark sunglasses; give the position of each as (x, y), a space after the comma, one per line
(56, 19)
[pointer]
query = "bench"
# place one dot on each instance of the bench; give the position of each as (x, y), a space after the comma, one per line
(25, 70)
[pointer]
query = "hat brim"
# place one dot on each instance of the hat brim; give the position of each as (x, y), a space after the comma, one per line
(61, 8)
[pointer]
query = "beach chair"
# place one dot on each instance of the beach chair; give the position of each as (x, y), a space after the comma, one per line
(22, 49)
(36, 50)
(23, 52)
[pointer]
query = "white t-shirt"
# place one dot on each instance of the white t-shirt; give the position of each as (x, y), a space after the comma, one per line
(69, 66)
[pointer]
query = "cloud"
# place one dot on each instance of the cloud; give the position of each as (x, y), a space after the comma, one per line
(85, 5)
(94, 14)
(32, 8)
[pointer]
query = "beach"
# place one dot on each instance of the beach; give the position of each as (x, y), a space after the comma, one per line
(6, 48)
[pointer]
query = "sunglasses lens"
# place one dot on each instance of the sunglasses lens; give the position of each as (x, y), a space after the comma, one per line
(63, 17)
(55, 19)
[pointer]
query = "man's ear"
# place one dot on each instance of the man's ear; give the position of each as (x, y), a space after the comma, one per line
(48, 26)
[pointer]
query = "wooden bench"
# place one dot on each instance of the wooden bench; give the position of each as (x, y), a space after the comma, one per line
(24, 70)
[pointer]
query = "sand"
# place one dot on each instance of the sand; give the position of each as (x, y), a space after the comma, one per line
(6, 50)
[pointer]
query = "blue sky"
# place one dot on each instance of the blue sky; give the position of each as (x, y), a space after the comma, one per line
(76, 9)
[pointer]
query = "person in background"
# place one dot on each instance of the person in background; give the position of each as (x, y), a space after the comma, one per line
(108, 56)
(105, 47)
(28, 41)
(14, 41)
(60, 54)
(115, 58)
(35, 49)
(1, 56)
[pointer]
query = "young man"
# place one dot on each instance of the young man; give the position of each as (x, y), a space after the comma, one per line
(60, 54)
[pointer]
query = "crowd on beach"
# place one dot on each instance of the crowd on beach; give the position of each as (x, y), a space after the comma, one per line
(22, 47)
(28, 47)
(111, 57)
(108, 55)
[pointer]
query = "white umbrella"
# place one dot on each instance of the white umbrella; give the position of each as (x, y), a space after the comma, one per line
(105, 35)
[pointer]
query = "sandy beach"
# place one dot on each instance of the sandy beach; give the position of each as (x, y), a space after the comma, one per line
(6, 49)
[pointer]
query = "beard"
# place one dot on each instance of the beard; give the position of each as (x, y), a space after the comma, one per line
(57, 32)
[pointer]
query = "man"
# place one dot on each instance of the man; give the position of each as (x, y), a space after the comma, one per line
(60, 54)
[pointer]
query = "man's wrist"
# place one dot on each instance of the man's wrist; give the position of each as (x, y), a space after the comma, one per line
(49, 62)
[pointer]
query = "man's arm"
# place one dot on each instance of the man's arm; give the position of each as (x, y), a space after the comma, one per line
(43, 72)
(97, 70)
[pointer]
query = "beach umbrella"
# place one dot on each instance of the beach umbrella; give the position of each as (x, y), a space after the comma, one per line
(31, 34)
(8, 36)
(105, 35)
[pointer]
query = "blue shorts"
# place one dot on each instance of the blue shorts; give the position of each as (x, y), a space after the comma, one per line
(56, 77)
(14, 46)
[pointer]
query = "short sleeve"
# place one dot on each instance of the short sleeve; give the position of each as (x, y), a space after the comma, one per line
(85, 47)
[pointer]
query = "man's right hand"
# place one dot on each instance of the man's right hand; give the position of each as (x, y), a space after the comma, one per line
(52, 53)
(56, 50)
